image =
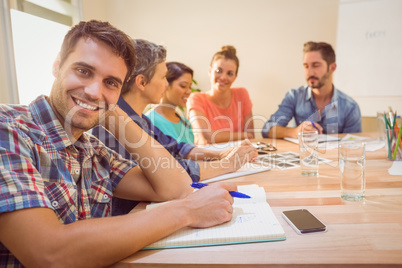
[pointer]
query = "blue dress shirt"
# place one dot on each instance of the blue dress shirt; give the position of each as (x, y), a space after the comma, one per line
(341, 115)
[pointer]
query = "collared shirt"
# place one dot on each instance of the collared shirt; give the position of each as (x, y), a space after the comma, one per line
(41, 167)
(341, 115)
(176, 149)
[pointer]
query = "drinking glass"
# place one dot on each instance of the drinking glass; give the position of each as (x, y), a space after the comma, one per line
(352, 163)
(308, 143)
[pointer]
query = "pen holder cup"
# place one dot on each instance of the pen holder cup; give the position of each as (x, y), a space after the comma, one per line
(393, 145)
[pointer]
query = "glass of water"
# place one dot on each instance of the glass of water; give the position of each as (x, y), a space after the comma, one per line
(352, 163)
(308, 144)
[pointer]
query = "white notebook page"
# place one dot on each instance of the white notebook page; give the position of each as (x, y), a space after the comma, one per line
(253, 220)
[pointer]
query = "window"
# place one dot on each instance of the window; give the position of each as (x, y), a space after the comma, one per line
(38, 29)
(67, 12)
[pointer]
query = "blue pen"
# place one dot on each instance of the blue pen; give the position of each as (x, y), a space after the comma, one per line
(199, 185)
(314, 126)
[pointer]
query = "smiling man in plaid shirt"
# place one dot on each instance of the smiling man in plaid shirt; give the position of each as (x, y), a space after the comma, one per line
(57, 181)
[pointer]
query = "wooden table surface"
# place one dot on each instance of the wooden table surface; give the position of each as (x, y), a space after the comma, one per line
(364, 233)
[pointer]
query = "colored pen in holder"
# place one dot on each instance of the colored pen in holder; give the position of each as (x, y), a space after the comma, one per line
(394, 140)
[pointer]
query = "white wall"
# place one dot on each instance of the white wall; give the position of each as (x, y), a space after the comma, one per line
(94, 9)
(268, 36)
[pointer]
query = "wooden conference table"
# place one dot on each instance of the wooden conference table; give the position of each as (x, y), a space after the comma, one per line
(364, 233)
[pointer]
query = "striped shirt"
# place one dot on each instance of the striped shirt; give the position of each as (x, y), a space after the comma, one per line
(41, 167)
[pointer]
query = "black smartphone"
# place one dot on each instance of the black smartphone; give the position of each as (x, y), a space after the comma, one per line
(303, 222)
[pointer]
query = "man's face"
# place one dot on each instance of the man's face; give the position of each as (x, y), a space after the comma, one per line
(158, 84)
(86, 84)
(316, 70)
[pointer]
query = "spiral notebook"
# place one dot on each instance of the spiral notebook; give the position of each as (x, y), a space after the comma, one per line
(253, 221)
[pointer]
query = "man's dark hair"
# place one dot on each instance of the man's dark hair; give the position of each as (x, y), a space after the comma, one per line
(175, 70)
(118, 41)
(326, 50)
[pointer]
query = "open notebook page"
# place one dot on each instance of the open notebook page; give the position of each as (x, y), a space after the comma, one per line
(253, 221)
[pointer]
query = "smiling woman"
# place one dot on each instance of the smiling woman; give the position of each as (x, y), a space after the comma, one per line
(165, 115)
(223, 113)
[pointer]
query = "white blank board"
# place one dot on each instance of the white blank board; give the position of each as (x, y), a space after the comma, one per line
(369, 53)
(369, 47)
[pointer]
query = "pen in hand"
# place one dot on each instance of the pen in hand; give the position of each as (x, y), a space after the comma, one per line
(314, 126)
(199, 185)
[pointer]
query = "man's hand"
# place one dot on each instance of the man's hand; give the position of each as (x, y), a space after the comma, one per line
(104, 119)
(113, 115)
(308, 126)
(211, 205)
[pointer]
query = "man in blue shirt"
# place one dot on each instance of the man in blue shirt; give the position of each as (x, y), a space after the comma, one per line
(319, 105)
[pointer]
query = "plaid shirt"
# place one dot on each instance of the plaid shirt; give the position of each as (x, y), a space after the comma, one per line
(40, 167)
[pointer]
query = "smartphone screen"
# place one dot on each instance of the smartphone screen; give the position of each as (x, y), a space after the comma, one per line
(303, 221)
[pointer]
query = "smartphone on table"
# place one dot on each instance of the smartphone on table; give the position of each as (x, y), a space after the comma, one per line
(303, 222)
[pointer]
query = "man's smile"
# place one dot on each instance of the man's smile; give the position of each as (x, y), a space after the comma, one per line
(86, 105)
